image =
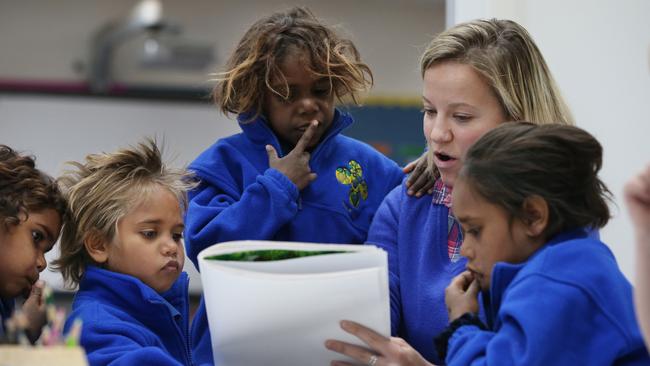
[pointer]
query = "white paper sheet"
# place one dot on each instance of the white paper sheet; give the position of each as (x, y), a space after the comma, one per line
(280, 313)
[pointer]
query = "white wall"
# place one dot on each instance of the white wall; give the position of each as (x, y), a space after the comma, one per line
(62, 129)
(41, 41)
(44, 40)
(599, 53)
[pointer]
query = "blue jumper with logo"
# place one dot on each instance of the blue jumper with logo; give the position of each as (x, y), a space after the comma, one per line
(241, 198)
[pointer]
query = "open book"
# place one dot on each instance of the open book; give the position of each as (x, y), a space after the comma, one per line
(275, 303)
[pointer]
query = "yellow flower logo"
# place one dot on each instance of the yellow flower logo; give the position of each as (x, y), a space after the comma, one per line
(352, 175)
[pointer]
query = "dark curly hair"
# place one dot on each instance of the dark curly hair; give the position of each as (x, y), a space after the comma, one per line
(25, 189)
(257, 60)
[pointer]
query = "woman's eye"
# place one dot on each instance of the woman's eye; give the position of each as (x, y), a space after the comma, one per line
(177, 236)
(462, 117)
(429, 112)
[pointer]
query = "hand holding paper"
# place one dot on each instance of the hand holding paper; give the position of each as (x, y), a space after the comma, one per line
(292, 304)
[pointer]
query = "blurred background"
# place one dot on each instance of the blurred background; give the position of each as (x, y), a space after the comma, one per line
(82, 76)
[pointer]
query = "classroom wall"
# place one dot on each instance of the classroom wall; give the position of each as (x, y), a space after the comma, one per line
(599, 53)
(49, 40)
(45, 42)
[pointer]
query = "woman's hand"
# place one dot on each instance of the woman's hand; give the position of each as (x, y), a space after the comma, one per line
(461, 296)
(422, 177)
(295, 165)
(381, 351)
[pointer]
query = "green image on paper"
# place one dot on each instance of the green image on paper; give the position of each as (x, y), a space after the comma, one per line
(268, 255)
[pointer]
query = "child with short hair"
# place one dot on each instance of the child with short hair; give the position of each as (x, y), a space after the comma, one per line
(290, 175)
(122, 245)
(31, 211)
(555, 295)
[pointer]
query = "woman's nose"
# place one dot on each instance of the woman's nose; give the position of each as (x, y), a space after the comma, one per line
(441, 131)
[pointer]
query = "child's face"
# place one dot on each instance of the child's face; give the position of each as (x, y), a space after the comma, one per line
(310, 98)
(459, 107)
(22, 251)
(148, 242)
(490, 235)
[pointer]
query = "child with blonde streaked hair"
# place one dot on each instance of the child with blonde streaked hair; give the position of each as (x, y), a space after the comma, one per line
(122, 246)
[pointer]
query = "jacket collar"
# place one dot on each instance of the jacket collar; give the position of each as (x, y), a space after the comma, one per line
(133, 294)
(6, 309)
(504, 273)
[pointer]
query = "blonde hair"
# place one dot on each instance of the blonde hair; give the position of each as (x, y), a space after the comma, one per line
(256, 61)
(104, 189)
(506, 56)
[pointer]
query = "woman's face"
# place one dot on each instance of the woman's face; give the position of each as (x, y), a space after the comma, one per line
(459, 107)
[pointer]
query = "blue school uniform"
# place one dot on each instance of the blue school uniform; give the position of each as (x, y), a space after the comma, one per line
(569, 304)
(414, 233)
(240, 197)
(6, 310)
(126, 322)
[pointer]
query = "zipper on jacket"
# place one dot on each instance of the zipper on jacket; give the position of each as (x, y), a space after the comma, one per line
(186, 323)
(299, 202)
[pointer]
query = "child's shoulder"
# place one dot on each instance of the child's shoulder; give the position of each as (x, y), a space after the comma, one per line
(91, 309)
(584, 261)
(222, 151)
(350, 146)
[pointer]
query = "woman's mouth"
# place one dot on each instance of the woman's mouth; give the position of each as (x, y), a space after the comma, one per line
(443, 157)
(443, 160)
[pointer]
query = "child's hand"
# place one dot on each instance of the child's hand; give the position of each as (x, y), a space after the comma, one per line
(461, 295)
(421, 180)
(295, 165)
(637, 198)
(34, 310)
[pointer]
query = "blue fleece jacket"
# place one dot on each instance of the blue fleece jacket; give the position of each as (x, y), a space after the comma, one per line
(241, 198)
(414, 233)
(6, 310)
(126, 322)
(569, 304)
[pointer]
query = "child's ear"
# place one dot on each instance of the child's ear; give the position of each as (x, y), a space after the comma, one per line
(97, 247)
(536, 213)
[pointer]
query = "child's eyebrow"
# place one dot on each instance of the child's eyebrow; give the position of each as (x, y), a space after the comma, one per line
(158, 221)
